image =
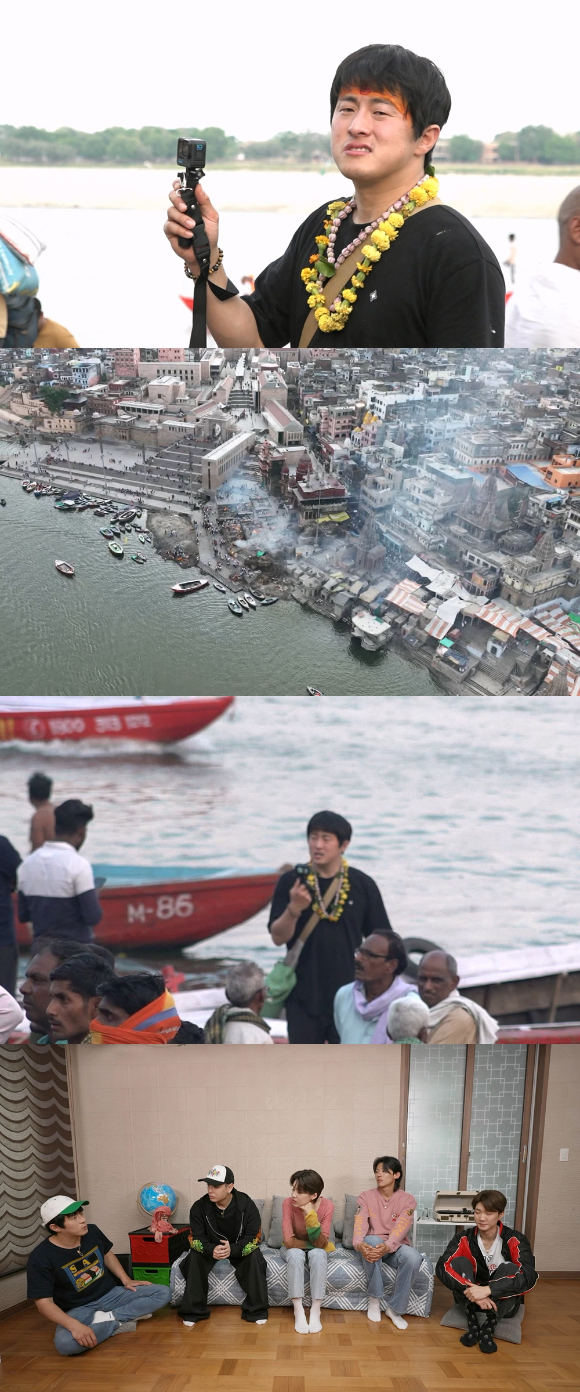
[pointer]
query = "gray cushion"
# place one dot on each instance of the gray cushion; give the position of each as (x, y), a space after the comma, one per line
(275, 1237)
(350, 1208)
(508, 1329)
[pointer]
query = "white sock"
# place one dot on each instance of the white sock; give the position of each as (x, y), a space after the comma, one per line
(315, 1325)
(300, 1321)
(260, 1321)
(100, 1316)
(398, 1322)
(374, 1309)
(189, 1324)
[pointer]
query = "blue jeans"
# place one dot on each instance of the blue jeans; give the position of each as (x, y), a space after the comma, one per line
(406, 1262)
(127, 1305)
(317, 1265)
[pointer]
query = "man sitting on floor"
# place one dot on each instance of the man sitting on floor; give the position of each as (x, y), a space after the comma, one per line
(225, 1224)
(49, 954)
(240, 1022)
(138, 1009)
(75, 990)
(361, 1007)
(453, 1019)
(382, 1221)
(488, 1268)
(407, 1021)
(306, 1219)
(79, 1284)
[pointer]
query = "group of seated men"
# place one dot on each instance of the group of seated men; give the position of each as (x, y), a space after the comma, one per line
(81, 1287)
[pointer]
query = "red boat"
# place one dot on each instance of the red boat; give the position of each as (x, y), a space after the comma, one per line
(177, 913)
(161, 719)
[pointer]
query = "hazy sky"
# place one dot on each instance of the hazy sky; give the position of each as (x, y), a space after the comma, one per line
(256, 68)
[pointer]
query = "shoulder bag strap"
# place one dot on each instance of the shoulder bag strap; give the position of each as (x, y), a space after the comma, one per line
(294, 952)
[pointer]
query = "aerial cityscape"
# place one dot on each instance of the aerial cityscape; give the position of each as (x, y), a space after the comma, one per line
(424, 503)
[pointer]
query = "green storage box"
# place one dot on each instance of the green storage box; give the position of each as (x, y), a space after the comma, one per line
(159, 1275)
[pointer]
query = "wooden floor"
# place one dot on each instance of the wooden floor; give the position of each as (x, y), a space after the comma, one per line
(351, 1355)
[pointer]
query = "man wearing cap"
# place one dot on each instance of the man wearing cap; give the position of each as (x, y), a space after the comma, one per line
(225, 1225)
(78, 1284)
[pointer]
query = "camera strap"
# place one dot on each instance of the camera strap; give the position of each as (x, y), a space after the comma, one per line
(202, 251)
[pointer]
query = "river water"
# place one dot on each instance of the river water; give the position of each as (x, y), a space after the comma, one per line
(109, 276)
(468, 824)
(117, 628)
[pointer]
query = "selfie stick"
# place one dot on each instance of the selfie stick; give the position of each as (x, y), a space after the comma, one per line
(189, 181)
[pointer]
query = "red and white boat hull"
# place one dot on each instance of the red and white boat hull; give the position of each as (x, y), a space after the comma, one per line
(162, 720)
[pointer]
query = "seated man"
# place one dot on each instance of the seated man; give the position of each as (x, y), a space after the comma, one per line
(56, 887)
(138, 1009)
(407, 1021)
(322, 911)
(240, 1022)
(78, 1283)
(362, 1006)
(453, 1019)
(488, 1268)
(306, 1219)
(76, 988)
(382, 1221)
(225, 1224)
(35, 989)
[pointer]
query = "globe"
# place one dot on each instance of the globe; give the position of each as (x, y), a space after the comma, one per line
(153, 1196)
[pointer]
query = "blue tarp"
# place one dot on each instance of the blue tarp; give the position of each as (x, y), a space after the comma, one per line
(524, 473)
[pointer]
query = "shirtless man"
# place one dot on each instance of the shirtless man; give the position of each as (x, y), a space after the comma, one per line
(42, 820)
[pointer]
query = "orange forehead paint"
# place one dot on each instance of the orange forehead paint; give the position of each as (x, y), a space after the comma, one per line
(397, 102)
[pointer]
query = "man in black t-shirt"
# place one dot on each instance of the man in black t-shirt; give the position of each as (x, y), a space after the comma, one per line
(79, 1284)
(9, 862)
(326, 960)
(225, 1226)
(412, 281)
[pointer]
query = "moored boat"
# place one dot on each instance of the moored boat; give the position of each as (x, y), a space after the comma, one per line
(189, 586)
(140, 560)
(2, 502)
(273, 600)
(222, 589)
(235, 607)
(64, 567)
(163, 719)
(116, 549)
(243, 603)
(106, 532)
(249, 598)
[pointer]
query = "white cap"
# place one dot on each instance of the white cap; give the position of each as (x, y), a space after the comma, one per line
(219, 1174)
(52, 1208)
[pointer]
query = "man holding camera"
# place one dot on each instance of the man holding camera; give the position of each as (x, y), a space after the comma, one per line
(366, 271)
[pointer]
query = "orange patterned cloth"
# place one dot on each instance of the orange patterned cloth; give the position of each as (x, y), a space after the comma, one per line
(156, 1023)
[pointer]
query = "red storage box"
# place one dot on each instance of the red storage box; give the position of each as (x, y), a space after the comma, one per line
(145, 1250)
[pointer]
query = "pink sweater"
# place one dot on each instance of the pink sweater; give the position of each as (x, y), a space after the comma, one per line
(294, 1228)
(386, 1218)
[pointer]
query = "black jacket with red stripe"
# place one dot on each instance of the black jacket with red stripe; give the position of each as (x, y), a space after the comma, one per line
(515, 1248)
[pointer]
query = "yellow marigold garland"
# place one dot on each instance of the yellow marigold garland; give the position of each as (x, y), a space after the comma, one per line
(336, 907)
(334, 317)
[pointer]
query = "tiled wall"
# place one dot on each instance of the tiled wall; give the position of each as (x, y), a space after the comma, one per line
(557, 1243)
(436, 1085)
(164, 1115)
(496, 1120)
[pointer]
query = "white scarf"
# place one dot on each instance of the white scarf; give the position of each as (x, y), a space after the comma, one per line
(378, 1008)
(487, 1027)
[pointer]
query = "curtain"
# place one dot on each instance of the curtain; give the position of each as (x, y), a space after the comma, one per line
(36, 1154)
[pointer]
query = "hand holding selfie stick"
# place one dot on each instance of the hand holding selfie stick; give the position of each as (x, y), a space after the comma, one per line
(191, 156)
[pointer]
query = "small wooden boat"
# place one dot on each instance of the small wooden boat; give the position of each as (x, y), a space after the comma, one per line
(221, 588)
(64, 567)
(235, 608)
(116, 549)
(99, 512)
(243, 602)
(189, 586)
(106, 532)
(142, 538)
(313, 691)
(249, 598)
(274, 600)
(140, 560)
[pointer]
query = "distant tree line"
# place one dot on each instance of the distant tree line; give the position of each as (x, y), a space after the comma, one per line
(156, 145)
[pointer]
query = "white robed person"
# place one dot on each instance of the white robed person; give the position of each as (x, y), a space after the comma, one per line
(362, 1006)
(453, 1018)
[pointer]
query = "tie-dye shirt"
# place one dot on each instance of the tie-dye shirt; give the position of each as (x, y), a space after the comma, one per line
(390, 1219)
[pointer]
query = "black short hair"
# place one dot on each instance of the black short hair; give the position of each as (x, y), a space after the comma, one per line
(85, 974)
(308, 1181)
(390, 1162)
(71, 816)
(392, 68)
(132, 991)
(331, 822)
(57, 1222)
(64, 948)
(492, 1200)
(39, 787)
(396, 945)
